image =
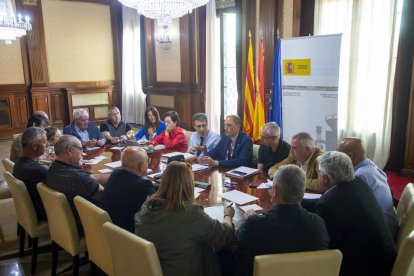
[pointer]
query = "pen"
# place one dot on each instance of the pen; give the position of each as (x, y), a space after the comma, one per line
(231, 204)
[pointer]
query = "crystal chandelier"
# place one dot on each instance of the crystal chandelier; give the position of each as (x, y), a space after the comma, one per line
(164, 10)
(10, 28)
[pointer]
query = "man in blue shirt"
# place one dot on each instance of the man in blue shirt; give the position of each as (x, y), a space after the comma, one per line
(373, 176)
(234, 149)
(85, 131)
(203, 139)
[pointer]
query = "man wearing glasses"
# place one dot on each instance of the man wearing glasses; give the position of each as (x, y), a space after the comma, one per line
(66, 175)
(273, 149)
(127, 189)
(202, 139)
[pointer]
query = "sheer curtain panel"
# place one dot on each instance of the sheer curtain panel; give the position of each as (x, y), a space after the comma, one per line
(133, 98)
(368, 53)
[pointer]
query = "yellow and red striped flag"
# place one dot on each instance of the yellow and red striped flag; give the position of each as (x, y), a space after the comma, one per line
(249, 93)
(259, 114)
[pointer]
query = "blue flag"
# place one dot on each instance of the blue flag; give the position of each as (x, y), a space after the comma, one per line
(275, 101)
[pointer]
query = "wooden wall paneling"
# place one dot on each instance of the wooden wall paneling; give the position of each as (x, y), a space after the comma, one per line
(268, 28)
(248, 14)
(58, 106)
(21, 107)
(150, 69)
(36, 44)
(307, 17)
(280, 5)
(185, 48)
(116, 24)
(297, 8)
(408, 169)
(16, 107)
(40, 100)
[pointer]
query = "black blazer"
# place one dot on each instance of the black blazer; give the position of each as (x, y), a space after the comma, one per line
(357, 228)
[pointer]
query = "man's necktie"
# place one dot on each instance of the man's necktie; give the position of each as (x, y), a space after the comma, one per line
(201, 144)
(229, 150)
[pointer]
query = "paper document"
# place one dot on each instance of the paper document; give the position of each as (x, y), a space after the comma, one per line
(196, 195)
(198, 167)
(215, 212)
(312, 196)
(242, 172)
(265, 185)
(252, 206)
(101, 157)
(117, 148)
(154, 175)
(93, 148)
(238, 197)
(91, 161)
(159, 147)
(198, 190)
(115, 164)
(105, 171)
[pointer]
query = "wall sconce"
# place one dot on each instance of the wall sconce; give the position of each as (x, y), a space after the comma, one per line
(164, 39)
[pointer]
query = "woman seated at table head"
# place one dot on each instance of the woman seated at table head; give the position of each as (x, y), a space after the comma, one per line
(153, 125)
(182, 233)
(52, 134)
(173, 137)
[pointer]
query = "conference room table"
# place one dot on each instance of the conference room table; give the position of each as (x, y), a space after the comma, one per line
(214, 176)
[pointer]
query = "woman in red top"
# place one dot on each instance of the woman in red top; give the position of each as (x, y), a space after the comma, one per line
(173, 137)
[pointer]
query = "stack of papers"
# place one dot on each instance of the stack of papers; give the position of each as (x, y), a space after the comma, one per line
(266, 185)
(115, 164)
(242, 172)
(215, 212)
(238, 197)
(252, 206)
(198, 167)
(94, 160)
(92, 148)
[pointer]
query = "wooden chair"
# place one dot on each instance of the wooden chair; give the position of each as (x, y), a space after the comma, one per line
(405, 201)
(405, 214)
(63, 230)
(311, 263)
(93, 218)
(4, 188)
(8, 165)
(131, 255)
(404, 265)
(26, 217)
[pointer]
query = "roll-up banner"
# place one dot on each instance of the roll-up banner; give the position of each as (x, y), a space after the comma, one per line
(310, 74)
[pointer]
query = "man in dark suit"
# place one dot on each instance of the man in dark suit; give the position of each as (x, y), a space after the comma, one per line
(234, 149)
(354, 219)
(126, 189)
(85, 131)
(287, 227)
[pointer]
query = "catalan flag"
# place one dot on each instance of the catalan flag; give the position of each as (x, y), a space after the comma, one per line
(259, 114)
(249, 93)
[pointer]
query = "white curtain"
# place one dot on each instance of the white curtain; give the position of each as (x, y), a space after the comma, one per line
(368, 54)
(133, 98)
(213, 98)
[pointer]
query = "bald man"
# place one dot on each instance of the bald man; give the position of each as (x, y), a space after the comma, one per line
(373, 176)
(127, 189)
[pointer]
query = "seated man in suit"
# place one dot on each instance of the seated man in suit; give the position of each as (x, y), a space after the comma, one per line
(353, 218)
(234, 149)
(66, 175)
(373, 176)
(303, 153)
(38, 119)
(287, 227)
(126, 189)
(85, 131)
(272, 149)
(202, 139)
(34, 143)
(114, 129)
